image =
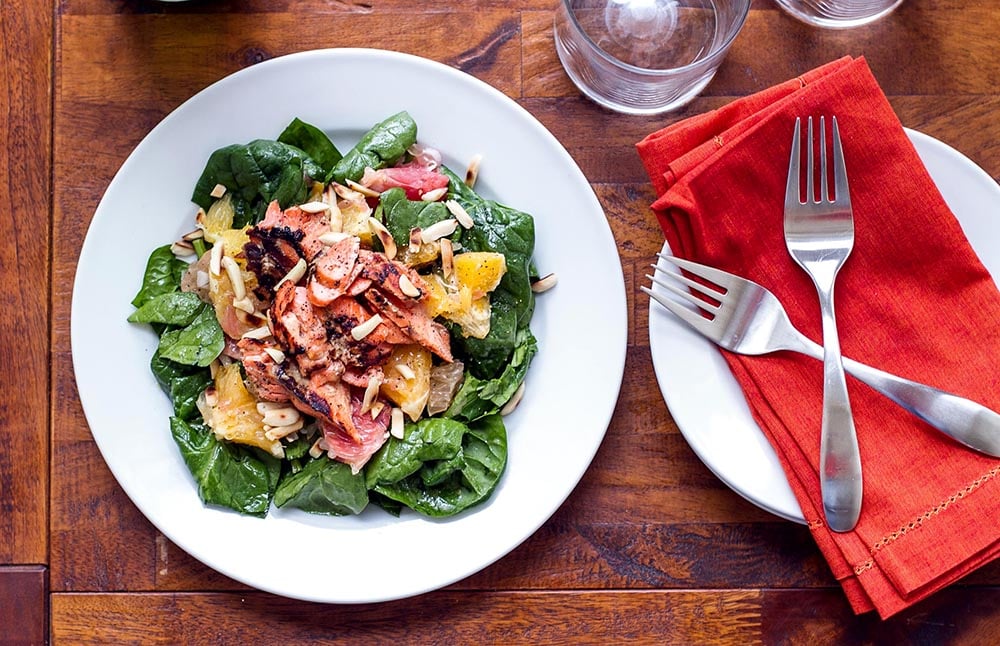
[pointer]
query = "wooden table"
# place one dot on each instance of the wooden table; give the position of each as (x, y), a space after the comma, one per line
(658, 552)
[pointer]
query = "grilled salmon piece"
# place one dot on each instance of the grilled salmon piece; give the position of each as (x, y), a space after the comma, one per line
(325, 400)
(412, 319)
(372, 434)
(299, 329)
(262, 370)
(334, 271)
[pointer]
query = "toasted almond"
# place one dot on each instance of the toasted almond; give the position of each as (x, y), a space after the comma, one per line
(265, 406)
(215, 259)
(438, 230)
(316, 450)
(191, 236)
(276, 355)
(211, 396)
(544, 284)
(281, 416)
(218, 191)
(364, 329)
(447, 258)
(371, 391)
(201, 279)
(294, 274)
(514, 400)
(388, 244)
(333, 237)
(347, 193)
(405, 371)
(435, 194)
(460, 214)
(472, 172)
(236, 278)
(397, 423)
(261, 332)
(415, 240)
(376, 409)
(315, 207)
(407, 287)
(361, 188)
(182, 249)
(244, 304)
(279, 432)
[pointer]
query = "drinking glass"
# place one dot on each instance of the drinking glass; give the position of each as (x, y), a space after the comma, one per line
(838, 14)
(645, 56)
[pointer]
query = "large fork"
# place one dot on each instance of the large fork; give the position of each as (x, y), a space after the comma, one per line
(819, 234)
(744, 317)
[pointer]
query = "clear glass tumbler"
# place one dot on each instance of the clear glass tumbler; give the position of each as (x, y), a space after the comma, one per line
(838, 14)
(645, 56)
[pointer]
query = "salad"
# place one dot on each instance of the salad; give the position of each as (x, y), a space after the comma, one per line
(343, 329)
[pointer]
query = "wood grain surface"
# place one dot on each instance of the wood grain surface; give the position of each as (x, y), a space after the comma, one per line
(650, 547)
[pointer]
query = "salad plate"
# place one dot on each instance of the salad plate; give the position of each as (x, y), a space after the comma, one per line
(706, 401)
(552, 435)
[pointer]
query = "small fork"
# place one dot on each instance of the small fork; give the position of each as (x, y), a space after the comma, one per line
(744, 317)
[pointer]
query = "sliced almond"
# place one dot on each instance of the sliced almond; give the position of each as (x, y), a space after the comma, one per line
(294, 274)
(438, 230)
(364, 329)
(315, 207)
(397, 423)
(544, 284)
(218, 191)
(388, 243)
(460, 214)
(435, 194)
(407, 287)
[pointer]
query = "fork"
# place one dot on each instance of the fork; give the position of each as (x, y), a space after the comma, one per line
(748, 319)
(819, 234)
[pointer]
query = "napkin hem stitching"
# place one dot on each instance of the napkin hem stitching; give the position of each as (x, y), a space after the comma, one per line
(927, 515)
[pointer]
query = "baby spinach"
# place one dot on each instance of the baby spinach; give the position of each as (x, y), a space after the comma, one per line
(255, 174)
(400, 215)
(381, 146)
(480, 397)
(198, 343)
(162, 276)
(174, 308)
(313, 142)
(428, 439)
(181, 382)
(452, 483)
(228, 475)
(323, 486)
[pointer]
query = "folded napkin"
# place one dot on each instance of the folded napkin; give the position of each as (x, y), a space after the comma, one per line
(913, 299)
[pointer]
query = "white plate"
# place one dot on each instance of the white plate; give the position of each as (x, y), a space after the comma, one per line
(704, 397)
(570, 395)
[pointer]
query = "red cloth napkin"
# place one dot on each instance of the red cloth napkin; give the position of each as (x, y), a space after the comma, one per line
(913, 299)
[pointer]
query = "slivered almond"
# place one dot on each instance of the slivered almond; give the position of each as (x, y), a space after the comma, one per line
(276, 355)
(315, 207)
(218, 191)
(281, 416)
(361, 188)
(544, 284)
(261, 332)
(294, 274)
(201, 279)
(244, 304)
(397, 423)
(361, 331)
(191, 236)
(438, 230)
(182, 249)
(213, 368)
(512, 403)
(415, 240)
(371, 391)
(472, 172)
(264, 407)
(316, 450)
(388, 244)
(280, 432)
(336, 216)
(347, 193)
(333, 237)
(460, 214)
(407, 287)
(215, 259)
(447, 258)
(376, 409)
(405, 371)
(435, 194)
(236, 278)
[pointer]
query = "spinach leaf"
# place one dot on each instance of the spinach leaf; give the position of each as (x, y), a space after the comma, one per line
(255, 174)
(400, 215)
(511, 232)
(313, 142)
(381, 146)
(162, 276)
(181, 382)
(175, 308)
(197, 344)
(323, 486)
(459, 484)
(479, 397)
(428, 439)
(228, 475)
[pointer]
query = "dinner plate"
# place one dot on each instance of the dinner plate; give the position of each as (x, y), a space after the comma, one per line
(572, 385)
(707, 403)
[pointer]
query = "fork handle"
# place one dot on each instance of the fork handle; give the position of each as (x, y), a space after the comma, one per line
(840, 457)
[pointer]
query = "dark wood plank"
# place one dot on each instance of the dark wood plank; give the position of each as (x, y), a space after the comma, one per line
(25, 132)
(23, 604)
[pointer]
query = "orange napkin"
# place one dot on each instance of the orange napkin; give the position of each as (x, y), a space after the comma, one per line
(912, 299)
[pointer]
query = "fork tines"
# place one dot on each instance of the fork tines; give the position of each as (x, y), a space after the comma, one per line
(669, 280)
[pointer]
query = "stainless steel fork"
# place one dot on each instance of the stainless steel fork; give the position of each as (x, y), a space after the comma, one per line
(819, 234)
(746, 318)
